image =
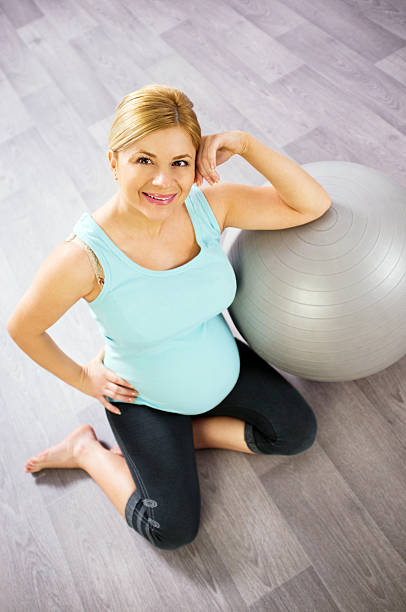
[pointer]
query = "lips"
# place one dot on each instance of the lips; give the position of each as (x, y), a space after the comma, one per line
(168, 198)
(160, 195)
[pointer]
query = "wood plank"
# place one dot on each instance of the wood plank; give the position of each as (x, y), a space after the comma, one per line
(356, 562)
(303, 593)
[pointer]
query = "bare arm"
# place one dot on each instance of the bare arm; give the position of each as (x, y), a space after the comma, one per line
(63, 278)
(44, 351)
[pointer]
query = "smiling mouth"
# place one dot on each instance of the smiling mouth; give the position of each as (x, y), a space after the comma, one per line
(162, 199)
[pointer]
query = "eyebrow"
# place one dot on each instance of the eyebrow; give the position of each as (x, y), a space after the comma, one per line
(152, 155)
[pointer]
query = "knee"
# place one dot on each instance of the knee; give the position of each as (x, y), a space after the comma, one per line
(174, 537)
(167, 530)
(173, 543)
(294, 433)
(303, 432)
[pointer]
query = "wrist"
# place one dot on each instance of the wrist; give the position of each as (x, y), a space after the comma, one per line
(246, 139)
(81, 379)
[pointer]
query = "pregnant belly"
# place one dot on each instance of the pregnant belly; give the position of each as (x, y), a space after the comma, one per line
(190, 374)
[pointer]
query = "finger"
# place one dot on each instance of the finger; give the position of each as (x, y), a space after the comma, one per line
(120, 393)
(109, 406)
(203, 158)
(114, 378)
(209, 178)
(212, 177)
(198, 178)
(199, 173)
(206, 171)
(128, 395)
(209, 158)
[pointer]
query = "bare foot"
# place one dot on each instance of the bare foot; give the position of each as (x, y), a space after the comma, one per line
(64, 454)
(116, 450)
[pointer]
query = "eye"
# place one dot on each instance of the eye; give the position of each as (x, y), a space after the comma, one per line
(178, 160)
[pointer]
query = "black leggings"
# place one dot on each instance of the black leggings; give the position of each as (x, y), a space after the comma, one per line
(159, 450)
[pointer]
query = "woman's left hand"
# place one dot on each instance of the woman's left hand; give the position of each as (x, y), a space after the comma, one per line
(215, 149)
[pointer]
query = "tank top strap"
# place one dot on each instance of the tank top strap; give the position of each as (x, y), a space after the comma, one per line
(85, 231)
(97, 267)
(204, 221)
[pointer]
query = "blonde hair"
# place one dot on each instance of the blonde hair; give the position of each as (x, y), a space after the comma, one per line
(153, 107)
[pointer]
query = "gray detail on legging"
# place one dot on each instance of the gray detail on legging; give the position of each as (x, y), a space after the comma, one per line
(249, 438)
(134, 498)
(143, 523)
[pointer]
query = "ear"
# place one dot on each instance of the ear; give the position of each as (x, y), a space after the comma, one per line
(112, 158)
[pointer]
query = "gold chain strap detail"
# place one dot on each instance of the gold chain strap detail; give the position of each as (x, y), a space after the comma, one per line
(92, 256)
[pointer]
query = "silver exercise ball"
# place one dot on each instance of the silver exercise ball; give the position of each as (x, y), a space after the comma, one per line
(327, 300)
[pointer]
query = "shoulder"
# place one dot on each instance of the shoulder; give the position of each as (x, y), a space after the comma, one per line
(62, 278)
(213, 195)
(74, 257)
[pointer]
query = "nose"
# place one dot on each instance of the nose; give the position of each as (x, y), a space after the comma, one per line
(162, 185)
(162, 179)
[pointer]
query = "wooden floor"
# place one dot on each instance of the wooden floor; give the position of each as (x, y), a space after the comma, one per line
(314, 79)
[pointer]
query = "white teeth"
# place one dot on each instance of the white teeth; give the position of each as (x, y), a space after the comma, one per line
(155, 198)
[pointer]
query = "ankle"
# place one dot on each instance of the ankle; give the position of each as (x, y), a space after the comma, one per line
(85, 450)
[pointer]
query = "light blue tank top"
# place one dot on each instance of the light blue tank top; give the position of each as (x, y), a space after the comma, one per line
(164, 331)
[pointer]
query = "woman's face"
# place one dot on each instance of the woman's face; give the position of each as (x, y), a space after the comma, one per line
(150, 166)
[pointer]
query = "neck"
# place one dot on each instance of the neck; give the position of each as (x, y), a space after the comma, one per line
(135, 222)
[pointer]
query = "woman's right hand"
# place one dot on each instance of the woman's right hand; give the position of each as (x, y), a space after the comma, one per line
(98, 381)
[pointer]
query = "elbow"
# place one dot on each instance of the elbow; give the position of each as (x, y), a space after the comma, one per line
(9, 326)
(328, 202)
(20, 336)
(324, 208)
(19, 329)
(11, 329)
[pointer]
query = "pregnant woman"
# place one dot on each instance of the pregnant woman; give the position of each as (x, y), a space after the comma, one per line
(171, 376)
